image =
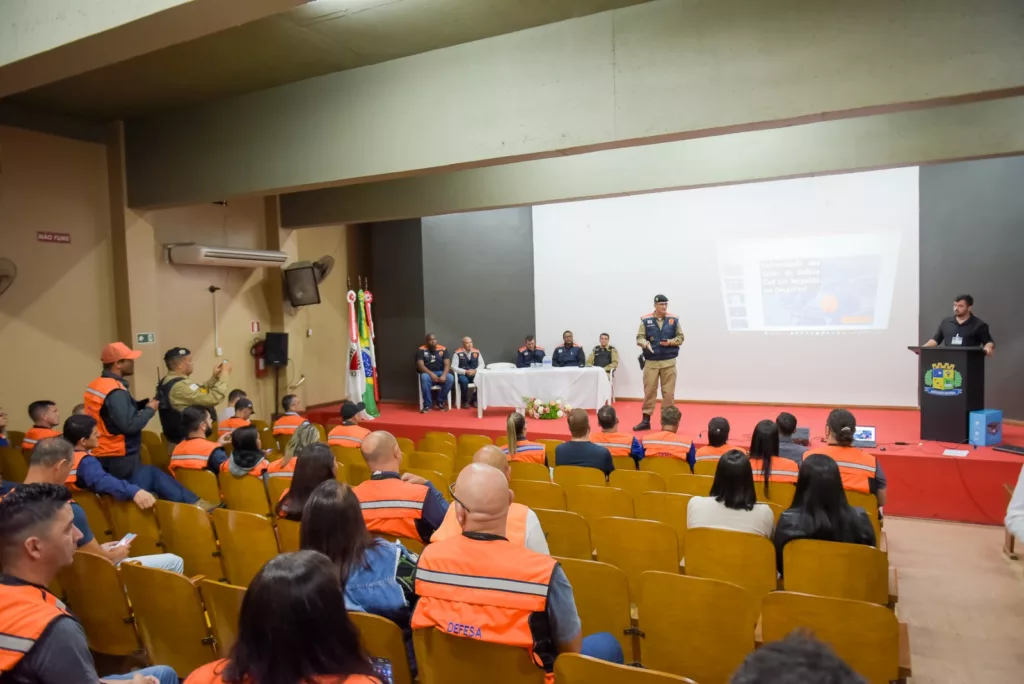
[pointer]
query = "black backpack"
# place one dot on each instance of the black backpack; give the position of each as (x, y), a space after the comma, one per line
(170, 418)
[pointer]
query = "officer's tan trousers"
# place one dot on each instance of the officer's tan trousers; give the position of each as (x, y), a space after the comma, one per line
(652, 376)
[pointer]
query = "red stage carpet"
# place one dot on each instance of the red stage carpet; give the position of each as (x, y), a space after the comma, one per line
(922, 483)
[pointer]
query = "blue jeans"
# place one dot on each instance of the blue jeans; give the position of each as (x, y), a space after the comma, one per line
(426, 383)
(603, 646)
(464, 382)
(164, 674)
(161, 485)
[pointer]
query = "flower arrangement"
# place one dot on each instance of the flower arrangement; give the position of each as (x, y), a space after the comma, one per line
(546, 410)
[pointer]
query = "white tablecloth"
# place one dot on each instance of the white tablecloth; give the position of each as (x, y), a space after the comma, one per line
(586, 387)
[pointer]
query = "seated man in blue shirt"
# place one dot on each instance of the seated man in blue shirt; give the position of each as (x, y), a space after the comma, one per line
(434, 364)
(86, 471)
(569, 354)
(529, 353)
(580, 451)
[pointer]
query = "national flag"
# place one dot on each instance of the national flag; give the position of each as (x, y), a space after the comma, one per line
(356, 382)
(368, 359)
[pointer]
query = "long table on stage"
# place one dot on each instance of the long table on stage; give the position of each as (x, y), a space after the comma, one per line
(586, 387)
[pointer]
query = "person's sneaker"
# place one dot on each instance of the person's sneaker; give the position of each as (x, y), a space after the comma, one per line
(644, 424)
(425, 409)
(209, 506)
(442, 406)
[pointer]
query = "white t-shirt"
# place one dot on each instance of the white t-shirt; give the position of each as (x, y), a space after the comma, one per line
(225, 413)
(704, 511)
(535, 539)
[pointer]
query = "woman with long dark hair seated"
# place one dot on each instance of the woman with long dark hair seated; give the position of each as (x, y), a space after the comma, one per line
(247, 457)
(732, 504)
(313, 464)
(293, 629)
(376, 574)
(820, 510)
(768, 467)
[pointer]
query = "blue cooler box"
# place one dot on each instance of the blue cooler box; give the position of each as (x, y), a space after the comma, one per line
(985, 427)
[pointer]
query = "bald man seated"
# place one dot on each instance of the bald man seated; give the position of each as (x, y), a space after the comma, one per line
(480, 585)
(523, 526)
(398, 505)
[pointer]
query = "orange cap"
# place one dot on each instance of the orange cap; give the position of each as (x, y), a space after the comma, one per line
(118, 351)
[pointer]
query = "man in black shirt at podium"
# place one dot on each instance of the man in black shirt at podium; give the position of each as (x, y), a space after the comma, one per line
(963, 328)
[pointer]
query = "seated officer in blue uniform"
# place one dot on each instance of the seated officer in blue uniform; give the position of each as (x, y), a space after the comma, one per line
(434, 366)
(568, 354)
(529, 353)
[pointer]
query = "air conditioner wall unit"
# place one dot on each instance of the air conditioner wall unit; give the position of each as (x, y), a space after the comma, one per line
(205, 255)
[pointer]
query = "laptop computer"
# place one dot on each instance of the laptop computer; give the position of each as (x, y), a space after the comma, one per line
(864, 437)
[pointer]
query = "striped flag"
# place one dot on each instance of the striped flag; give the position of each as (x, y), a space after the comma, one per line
(366, 352)
(356, 383)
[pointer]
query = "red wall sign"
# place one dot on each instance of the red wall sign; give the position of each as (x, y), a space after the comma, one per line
(46, 236)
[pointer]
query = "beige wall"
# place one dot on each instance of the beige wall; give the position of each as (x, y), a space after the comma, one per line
(59, 312)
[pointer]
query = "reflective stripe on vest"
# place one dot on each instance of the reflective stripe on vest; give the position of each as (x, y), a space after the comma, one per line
(72, 481)
(857, 467)
(34, 436)
(280, 468)
(347, 436)
(485, 590)
(25, 613)
(193, 454)
(229, 425)
(288, 424)
(783, 470)
(515, 527)
(617, 443)
(95, 394)
(530, 452)
(391, 506)
(709, 457)
(664, 443)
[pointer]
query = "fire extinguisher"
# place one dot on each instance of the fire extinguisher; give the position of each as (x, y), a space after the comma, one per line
(257, 353)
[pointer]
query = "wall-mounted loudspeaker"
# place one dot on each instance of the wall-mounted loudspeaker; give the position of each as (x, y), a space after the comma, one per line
(275, 349)
(302, 280)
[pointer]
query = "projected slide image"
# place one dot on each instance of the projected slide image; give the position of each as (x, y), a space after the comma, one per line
(819, 292)
(820, 284)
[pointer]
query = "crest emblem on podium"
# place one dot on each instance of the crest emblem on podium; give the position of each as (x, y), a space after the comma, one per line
(943, 380)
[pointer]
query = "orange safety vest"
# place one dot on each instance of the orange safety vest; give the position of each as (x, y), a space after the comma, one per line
(347, 436)
(288, 423)
(34, 435)
(26, 611)
(391, 506)
(618, 443)
(665, 444)
(515, 528)
(95, 394)
(856, 466)
(72, 481)
(783, 469)
(193, 454)
(527, 451)
(710, 453)
(229, 425)
(257, 470)
(211, 674)
(279, 468)
(487, 589)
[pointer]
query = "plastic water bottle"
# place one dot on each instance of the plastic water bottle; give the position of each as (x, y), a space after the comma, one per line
(547, 362)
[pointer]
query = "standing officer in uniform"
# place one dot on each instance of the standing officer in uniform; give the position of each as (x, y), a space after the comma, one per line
(660, 336)
(604, 355)
(569, 354)
(468, 360)
(176, 392)
(434, 365)
(529, 353)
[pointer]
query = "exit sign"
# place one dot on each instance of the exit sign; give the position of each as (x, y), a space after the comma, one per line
(145, 338)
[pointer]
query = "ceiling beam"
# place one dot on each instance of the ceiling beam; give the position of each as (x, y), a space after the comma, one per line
(969, 131)
(44, 41)
(658, 72)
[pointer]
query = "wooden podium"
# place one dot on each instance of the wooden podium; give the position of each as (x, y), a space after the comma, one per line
(952, 382)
